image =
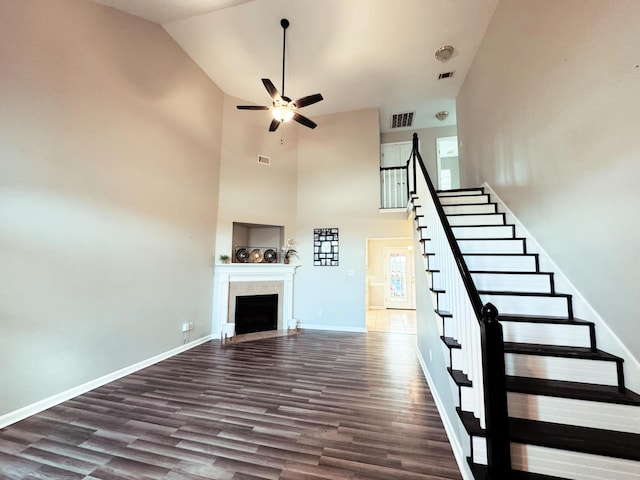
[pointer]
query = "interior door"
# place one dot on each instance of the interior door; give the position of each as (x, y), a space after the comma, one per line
(398, 278)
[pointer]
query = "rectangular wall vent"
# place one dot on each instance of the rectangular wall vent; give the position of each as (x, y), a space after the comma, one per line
(264, 160)
(399, 120)
(445, 75)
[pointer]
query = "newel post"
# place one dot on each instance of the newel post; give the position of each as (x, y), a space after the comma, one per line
(495, 395)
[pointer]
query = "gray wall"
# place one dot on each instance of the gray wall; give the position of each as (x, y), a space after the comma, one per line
(428, 149)
(548, 116)
(338, 186)
(109, 160)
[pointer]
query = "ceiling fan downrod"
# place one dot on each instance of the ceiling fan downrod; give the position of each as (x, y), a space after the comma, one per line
(285, 24)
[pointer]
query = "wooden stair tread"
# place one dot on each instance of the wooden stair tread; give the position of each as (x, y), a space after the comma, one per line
(491, 239)
(594, 441)
(511, 272)
(450, 342)
(467, 189)
(559, 351)
(574, 390)
(471, 424)
(544, 319)
(524, 294)
(461, 379)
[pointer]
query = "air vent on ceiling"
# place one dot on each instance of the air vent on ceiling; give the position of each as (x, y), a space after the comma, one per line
(399, 120)
(445, 75)
(264, 160)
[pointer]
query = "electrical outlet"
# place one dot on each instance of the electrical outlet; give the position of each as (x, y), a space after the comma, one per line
(190, 325)
(185, 327)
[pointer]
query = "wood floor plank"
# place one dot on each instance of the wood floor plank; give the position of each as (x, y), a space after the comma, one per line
(312, 406)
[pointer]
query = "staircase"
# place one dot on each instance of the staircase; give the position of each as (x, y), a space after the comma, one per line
(570, 415)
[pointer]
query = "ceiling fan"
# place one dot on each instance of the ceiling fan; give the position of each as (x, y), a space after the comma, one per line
(283, 108)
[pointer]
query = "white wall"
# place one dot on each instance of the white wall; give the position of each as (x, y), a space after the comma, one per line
(249, 191)
(549, 116)
(428, 147)
(109, 159)
(338, 186)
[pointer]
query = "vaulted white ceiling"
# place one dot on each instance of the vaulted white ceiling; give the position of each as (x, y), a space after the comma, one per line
(357, 53)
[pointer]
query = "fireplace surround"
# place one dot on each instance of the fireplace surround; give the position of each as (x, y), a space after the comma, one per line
(231, 280)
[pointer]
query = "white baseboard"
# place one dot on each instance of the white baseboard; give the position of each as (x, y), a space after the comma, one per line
(335, 328)
(24, 412)
(456, 446)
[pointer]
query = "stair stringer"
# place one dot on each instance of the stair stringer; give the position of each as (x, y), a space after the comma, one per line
(607, 340)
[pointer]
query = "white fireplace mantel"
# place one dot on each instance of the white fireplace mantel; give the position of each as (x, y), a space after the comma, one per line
(225, 274)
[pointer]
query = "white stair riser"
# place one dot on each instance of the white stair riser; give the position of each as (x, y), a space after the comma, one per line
(464, 200)
(423, 233)
(512, 283)
(462, 209)
(421, 221)
(467, 399)
(501, 263)
(454, 193)
(572, 465)
(528, 305)
(547, 334)
(561, 463)
(457, 360)
(494, 231)
(491, 246)
(606, 416)
(561, 368)
(479, 449)
(441, 326)
(487, 219)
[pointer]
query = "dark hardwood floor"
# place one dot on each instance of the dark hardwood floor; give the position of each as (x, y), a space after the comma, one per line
(318, 405)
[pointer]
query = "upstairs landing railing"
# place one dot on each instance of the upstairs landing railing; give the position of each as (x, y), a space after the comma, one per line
(473, 325)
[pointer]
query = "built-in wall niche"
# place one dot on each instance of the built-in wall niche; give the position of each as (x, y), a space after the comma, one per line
(257, 243)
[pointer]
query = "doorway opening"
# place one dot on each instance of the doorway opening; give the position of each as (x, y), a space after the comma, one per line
(390, 289)
(448, 163)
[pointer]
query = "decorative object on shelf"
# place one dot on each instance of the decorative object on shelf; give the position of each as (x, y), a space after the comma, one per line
(270, 256)
(289, 251)
(256, 255)
(244, 254)
(325, 247)
(224, 258)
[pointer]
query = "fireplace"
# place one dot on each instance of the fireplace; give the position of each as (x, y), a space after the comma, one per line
(251, 279)
(256, 313)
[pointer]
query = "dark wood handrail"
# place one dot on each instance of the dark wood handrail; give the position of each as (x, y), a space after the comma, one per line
(492, 344)
(470, 287)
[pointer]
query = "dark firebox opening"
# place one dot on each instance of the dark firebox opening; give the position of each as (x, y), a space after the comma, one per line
(256, 313)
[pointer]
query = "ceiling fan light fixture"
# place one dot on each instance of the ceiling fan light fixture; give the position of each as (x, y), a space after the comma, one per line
(284, 109)
(282, 113)
(444, 53)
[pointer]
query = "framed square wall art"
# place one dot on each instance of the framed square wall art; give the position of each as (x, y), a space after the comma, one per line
(325, 247)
